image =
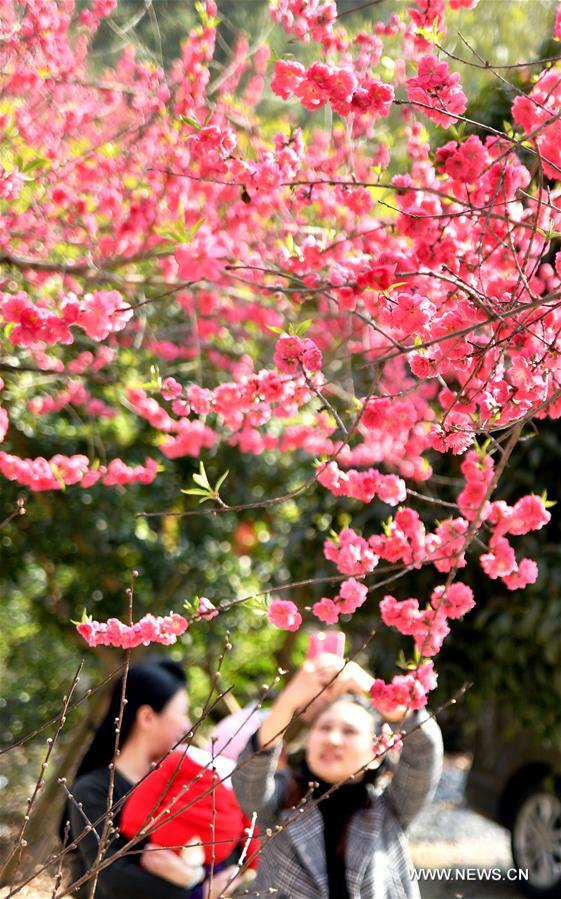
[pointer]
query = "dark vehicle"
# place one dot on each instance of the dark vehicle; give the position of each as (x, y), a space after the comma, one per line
(517, 784)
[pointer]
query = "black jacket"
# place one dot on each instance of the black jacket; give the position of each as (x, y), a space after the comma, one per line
(125, 878)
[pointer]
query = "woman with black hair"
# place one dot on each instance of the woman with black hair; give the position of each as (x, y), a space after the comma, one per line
(343, 843)
(155, 718)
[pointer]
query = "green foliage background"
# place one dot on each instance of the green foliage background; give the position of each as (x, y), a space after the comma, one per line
(76, 549)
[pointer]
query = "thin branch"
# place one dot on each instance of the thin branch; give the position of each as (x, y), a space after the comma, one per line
(20, 842)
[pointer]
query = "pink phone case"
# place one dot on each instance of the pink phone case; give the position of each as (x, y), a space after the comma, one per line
(332, 641)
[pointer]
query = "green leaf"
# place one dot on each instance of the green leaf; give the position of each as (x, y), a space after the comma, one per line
(155, 382)
(508, 129)
(33, 165)
(168, 232)
(221, 480)
(387, 526)
(481, 450)
(190, 121)
(189, 235)
(203, 474)
(191, 605)
(548, 503)
(196, 491)
(206, 20)
(432, 35)
(257, 604)
(177, 233)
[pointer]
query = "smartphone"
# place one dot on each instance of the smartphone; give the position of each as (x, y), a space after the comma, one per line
(330, 641)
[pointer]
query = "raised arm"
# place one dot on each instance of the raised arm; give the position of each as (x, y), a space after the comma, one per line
(420, 766)
(258, 785)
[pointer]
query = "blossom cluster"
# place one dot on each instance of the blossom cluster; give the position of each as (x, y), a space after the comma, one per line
(306, 19)
(352, 595)
(242, 406)
(528, 514)
(407, 691)
(404, 539)
(351, 553)
(387, 740)
(432, 316)
(32, 324)
(150, 629)
(205, 609)
(212, 144)
(284, 614)
(478, 471)
(537, 114)
(60, 472)
(4, 423)
(338, 85)
(293, 353)
(11, 183)
(438, 91)
(362, 485)
(75, 394)
(428, 628)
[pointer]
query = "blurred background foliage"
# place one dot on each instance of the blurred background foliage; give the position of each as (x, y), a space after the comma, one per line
(76, 549)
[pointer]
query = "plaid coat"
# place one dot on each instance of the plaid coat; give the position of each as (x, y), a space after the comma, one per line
(376, 855)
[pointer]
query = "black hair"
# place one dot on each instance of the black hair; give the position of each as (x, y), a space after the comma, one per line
(153, 682)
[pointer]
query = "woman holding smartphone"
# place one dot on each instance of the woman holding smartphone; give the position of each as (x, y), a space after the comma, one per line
(350, 844)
